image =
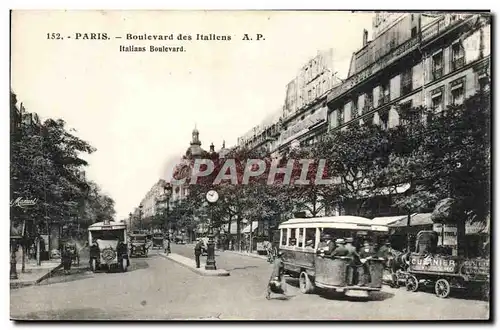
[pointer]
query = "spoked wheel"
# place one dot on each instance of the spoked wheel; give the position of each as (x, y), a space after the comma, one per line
(411, 283)
(442, 288)
(305, 283)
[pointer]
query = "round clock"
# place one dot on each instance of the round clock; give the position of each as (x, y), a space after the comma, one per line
(212, 196)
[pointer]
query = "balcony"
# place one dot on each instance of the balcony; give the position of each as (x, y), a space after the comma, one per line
(458, 63)
(437, 73)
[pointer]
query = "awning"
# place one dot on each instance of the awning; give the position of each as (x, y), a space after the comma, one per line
(417, 219)
(384, 221)
(254, 226)
(385, 191)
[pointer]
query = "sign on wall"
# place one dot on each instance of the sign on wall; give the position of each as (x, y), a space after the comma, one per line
(447, 234)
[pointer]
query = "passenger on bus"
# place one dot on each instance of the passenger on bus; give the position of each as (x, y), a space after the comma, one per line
(353, 255)
(326, 245)
(366, 253)
(340, 250)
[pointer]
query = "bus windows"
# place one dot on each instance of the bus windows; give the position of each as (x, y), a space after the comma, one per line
(292, 240)
(310, 237)
(301, 237)
(284, 236)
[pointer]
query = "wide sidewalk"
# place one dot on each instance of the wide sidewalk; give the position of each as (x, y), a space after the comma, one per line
(34, 273)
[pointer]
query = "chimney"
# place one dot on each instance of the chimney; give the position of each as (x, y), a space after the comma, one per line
(106, 222)
(365, 37)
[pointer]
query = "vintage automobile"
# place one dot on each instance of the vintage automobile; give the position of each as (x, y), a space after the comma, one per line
(139, 245)
(429, 267)
(179, 239)
(158, 239)
(108, 246)
(299, 240)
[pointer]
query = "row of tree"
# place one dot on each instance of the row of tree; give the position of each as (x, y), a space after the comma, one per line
(434, 156)
(47, 168)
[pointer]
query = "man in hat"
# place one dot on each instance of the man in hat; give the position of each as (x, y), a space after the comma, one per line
(197, 252)
(326, 244)
(353, 255)
(366, 253)
(277, 284)
(340, 250)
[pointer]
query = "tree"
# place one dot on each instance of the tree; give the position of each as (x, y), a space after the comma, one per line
(448, 157)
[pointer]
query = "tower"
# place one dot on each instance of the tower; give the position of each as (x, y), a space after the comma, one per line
(196, 143)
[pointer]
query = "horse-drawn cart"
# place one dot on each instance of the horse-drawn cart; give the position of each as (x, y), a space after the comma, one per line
(445, 272)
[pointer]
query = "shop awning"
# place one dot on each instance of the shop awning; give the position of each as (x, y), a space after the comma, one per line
(254, 226)
(384, 221)
(417, 219)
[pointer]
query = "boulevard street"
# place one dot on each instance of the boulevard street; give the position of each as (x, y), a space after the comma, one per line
(157, 288)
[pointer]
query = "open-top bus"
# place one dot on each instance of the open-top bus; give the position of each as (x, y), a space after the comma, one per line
(299, 240)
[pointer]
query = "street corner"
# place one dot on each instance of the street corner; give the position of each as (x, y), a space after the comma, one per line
(190, 264)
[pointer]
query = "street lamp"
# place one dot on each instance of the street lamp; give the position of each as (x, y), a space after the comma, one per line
(167, 189)
(140, 215)
(130, 219)
(13, 247)
(212, 197)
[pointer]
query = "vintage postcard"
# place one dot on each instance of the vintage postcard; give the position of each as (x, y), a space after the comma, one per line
(250, 165)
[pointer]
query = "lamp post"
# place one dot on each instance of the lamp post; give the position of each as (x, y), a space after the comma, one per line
(167, 189)
(140, 215)
(212, 197)
(130, 219)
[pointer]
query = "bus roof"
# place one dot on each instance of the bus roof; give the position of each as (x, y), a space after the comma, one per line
(339, 222)
(112, 225)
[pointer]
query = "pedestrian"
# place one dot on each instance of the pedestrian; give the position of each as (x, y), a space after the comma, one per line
(277, 284)
(197, 252)
(66, 259)
(166, 245)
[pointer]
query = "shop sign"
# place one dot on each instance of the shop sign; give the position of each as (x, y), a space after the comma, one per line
(447, 234)
(475, 267)
(303, 126)
(432, 264)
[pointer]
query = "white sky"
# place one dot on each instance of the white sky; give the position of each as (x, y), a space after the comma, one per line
(138, 109)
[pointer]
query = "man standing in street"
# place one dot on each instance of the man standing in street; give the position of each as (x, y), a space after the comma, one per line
(197, 252)
(277, 284)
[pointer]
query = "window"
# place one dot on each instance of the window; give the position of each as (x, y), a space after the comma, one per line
(484, 85)
(340, 116)
(354, 110)
(437, 66)
(284, 239)
(385, 93)
(368, 102)
(406, 81)
(457, 92)
(310, 237)
(292, 240)
(437, 99)
(413, 31)
(457, 56)
(404, 112)
(384, 119)
(301, 235)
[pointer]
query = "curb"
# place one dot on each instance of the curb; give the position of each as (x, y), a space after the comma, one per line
(251, 255)
(199, 271)
(17, 285)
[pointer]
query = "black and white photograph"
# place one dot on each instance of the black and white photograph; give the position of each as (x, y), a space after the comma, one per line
(250, 165)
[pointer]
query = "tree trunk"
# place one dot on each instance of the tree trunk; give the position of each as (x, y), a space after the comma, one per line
(251, 235)
(238, 231)
(408, 226)
(461, 246)
(38, 257)
(23, 257)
